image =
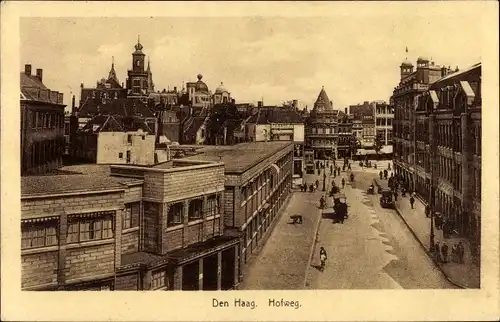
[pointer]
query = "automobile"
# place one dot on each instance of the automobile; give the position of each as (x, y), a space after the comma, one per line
(386, 198)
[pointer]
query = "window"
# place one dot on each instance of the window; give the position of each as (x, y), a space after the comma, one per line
(129, 138)
(174, 216)
(39, 234)
(120, 155)
(158, 280)
(87, 229)
(131, 215)
(213, 205)
(34, 116)
(129, 156)
(195, 209)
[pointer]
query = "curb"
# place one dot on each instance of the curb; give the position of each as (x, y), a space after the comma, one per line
(423, 246)
(313, 247)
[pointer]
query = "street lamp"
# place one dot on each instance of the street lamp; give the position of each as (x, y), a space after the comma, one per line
(324, 179)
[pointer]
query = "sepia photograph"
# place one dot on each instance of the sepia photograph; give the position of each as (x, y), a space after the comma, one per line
(251, 152)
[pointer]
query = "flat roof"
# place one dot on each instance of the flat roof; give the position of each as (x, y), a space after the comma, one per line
(71, 183)
(240, 157)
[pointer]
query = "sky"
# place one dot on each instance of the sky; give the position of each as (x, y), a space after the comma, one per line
(276, 59)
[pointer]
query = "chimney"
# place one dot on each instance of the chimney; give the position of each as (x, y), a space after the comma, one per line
(39, 74)
(27, 69)
(175, 89)
(73, 110)
(345, 110)
(259, 104)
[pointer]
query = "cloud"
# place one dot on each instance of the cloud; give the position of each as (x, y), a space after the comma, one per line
(355, 58)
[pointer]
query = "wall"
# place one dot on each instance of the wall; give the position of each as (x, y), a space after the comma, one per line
(127, 282)
(111, 144)
(91, 261)
(130, 241)
(183, 182)
(39, 269)
(298, 132)
(85, 260)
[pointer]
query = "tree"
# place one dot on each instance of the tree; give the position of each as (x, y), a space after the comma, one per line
(378, 143)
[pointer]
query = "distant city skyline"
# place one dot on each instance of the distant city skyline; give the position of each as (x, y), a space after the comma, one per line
(271, 58)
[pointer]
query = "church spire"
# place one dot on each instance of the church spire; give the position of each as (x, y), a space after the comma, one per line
(112, 72)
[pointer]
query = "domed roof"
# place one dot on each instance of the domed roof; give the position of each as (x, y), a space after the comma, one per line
(422, 59)
(200, 85)
(406, 63)
(221, 89)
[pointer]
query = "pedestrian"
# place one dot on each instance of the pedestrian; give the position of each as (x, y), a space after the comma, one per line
(403, 192)
(444, 252)
(437, 251)
(389, 166)
(438, 221)
(343, 167)
(338, 170)
(349, 167)
(395, 195)
(381, 174)
(343, 182)
(385, 174)
(460, 251)
(454, 253)
(412, 201)
(427, 211)
(319, 171)
(322, 257)
(331, 169)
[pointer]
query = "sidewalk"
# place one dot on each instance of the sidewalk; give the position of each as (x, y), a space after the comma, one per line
(466, 275)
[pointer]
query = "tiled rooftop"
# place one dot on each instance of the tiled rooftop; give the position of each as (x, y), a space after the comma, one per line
(240, 157)
(58, 184)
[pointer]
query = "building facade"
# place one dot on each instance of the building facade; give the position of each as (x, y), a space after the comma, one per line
(115, 140)
(128, 228)
(279, 124)
(345, 124)
(321, 128)
(448, 149)
(42, 124)
(384, 116)
(412, 84)
(258, 182)
(364, 123)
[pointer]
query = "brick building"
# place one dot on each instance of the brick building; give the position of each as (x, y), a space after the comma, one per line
(321, 129)
(128, 228)
(412, 84)
(448, 136)
(42, 124)
(258, 182)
